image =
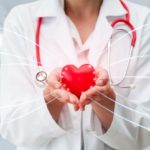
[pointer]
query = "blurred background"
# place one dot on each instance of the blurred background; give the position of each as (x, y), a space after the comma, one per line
(5, 6)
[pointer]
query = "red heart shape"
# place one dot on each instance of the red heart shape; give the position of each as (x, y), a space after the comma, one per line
(78, 80)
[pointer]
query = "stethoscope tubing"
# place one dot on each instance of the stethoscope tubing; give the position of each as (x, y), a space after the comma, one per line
(109, 62)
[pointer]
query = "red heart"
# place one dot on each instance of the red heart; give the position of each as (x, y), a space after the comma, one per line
(78, 80)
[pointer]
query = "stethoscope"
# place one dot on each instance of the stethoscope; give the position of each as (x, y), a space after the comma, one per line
(41, 76)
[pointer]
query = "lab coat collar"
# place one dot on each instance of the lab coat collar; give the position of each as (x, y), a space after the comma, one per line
(115, 8)
(51, 8)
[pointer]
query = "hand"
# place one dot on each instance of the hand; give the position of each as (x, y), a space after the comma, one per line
(55, 96)
(54, 90)
(100, 92)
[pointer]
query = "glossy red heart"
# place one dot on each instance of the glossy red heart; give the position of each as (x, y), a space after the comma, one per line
(78, 80)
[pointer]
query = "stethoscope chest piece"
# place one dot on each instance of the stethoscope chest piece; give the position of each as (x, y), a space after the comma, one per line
(41, 78)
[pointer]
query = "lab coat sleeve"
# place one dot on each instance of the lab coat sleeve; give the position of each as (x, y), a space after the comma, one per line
(130, 128)
(25, 119)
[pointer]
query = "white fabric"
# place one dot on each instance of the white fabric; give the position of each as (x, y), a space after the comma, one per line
(37, 130)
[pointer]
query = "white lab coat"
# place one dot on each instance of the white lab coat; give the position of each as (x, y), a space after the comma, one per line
(27, 122)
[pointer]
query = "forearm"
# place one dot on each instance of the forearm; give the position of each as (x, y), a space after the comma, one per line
(103, 114)
(55, 109)
(53, 104)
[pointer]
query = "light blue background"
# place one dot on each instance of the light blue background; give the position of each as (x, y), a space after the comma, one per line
(5, 6)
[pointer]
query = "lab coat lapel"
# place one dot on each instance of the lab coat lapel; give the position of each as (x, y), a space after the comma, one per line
(64, 40)
(61, 34)
(104, 29)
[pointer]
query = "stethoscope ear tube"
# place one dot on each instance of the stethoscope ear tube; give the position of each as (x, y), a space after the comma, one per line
(133, 37)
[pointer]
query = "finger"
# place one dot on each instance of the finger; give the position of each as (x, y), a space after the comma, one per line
(106, 91)
(103, 77)
(73, 99)
(76, 107)
(103, 89)
(83, 101)
(95, 92)
(54, 78)
(91, 92)
(61, 95)
(47, 94)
